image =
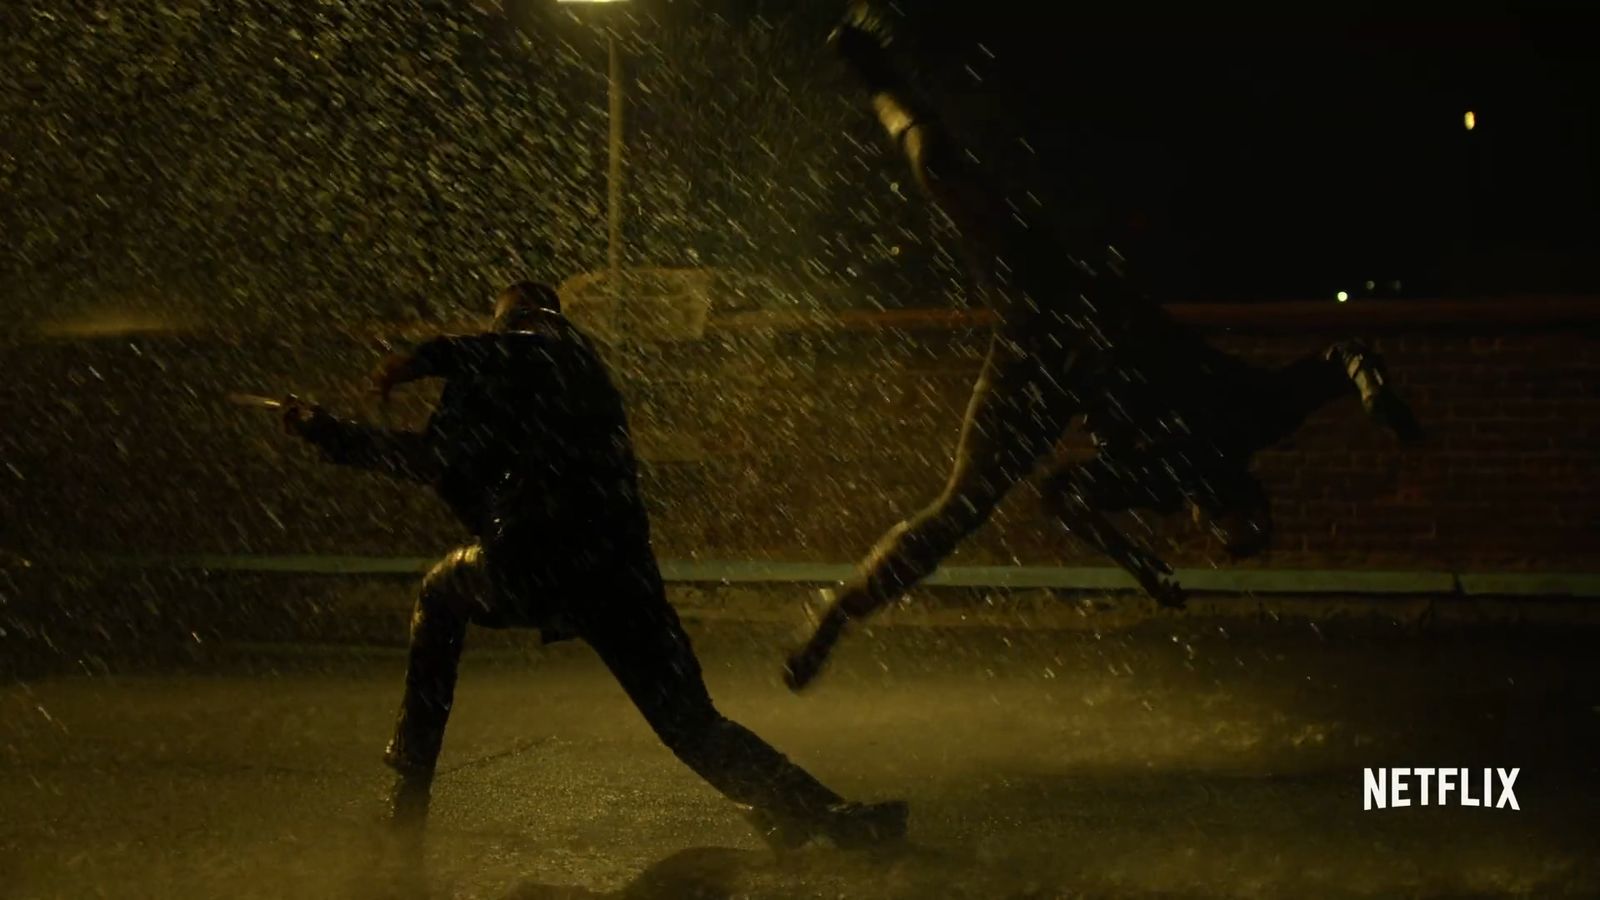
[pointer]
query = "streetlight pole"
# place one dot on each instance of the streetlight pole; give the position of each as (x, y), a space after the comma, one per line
(614, 171)
(614, 167)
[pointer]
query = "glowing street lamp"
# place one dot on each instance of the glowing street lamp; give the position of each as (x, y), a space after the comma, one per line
(614, 171)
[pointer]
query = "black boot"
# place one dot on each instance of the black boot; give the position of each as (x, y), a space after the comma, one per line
(861, 825)
(806, 661)
(846, 825)
(413, 756)
(409, 800)
(1366, 371)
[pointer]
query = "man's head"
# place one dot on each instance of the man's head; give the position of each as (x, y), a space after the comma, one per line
(521, 301)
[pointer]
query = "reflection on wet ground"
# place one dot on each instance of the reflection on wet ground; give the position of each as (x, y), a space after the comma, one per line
(1174, 760)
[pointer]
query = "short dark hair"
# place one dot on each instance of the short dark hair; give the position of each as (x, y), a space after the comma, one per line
(532, 294)
(520, 304)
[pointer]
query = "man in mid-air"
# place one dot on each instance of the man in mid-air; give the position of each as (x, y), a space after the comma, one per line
(529, 446)
(1175, 421)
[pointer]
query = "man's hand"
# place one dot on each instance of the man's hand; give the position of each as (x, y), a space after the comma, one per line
(861, 40)
(302, 419)
(868, 18)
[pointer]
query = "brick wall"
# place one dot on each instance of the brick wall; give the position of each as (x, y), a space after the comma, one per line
(804, 443)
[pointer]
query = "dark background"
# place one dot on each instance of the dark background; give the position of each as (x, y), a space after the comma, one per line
(1242, 153)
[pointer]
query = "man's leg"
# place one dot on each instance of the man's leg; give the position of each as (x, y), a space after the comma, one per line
(453, 592)
(1163, 478)
(638, 636)
(1079, 495)
(989, 227)
(1235, 508)
(1017, 411)
(1365, 369)
(1286, 397)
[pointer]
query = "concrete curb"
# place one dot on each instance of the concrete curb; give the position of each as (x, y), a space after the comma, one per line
(1042, 597)
(788, 611)
(1049, 610)
(1342, 582)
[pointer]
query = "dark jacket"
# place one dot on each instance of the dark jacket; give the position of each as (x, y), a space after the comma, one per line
(529, 446)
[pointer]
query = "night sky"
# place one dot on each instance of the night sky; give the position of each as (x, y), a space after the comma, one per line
(1240, 156)
(275, 161)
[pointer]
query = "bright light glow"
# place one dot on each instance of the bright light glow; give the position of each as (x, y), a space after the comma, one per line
(1470, 120)
(1341, 296)
(591, 1)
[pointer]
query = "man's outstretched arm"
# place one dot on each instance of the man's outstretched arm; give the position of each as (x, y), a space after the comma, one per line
(405, 455)
(942, 168)
(457, 356)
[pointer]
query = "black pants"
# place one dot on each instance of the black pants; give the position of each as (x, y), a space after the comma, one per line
(1024, 400)
(625, 616)
(1247, 409)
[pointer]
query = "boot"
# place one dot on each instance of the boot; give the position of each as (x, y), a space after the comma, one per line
(1366, 370)
(409, 800)
(408, 762)
(806, 662)
(846, 825)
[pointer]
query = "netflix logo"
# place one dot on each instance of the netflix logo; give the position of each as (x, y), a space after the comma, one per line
(1420, 786)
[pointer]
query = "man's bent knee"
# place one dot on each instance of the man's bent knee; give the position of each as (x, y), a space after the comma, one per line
(455, 588)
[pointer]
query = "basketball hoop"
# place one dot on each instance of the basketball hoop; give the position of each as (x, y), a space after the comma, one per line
(645, 306)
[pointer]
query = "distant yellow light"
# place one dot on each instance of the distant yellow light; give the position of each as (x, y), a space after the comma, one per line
(1470, 119)
(1341, 296)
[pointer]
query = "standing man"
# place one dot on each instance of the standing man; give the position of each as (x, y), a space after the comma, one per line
(530, 448)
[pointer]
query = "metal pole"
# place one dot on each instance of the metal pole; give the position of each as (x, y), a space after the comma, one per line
(614, 178)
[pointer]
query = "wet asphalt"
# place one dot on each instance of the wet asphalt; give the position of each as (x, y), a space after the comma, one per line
(1171, 759)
